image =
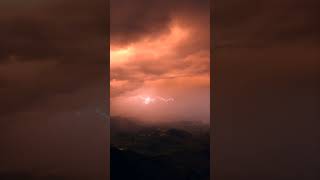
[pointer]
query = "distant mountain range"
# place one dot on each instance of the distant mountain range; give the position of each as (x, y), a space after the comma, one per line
(140, 151)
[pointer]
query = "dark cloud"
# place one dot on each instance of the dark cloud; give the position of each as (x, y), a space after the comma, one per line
(53, 79)
(266, 90)
(160, 48)
(266, 23)
(131, 21)
(265, 113)
(39, 31)
(50, 47)
(150, 21)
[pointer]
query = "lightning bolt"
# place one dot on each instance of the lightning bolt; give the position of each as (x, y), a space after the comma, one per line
(149, 100)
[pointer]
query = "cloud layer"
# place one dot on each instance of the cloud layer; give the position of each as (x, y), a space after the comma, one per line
(160, 48)
(53, 87)
(266, 23)
(49, 47)
(266, 90)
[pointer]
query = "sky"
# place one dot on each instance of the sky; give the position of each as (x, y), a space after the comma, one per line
(266, 89)
(53, 88)
(160, 60)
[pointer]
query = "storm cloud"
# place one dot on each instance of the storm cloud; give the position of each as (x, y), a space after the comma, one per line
(49, 47)
(161, 48)
(266, 90)
(53, 80)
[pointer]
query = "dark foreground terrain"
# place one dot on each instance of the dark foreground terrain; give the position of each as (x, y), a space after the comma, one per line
(32, 176)
(159, 152)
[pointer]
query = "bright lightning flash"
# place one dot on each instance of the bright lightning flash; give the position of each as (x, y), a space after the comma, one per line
(148, 100)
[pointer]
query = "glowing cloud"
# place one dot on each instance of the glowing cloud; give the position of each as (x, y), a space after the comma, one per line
(120, 55)
(148, 100)
(154, 76)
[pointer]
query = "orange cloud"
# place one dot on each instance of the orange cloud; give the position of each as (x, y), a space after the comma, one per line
(173, 64)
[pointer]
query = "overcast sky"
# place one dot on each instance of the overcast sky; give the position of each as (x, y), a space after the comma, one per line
(53, 87)
(160, 50)
(266, 90)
